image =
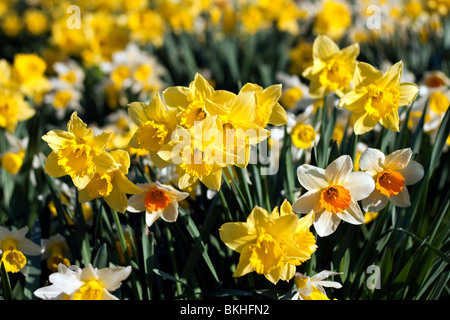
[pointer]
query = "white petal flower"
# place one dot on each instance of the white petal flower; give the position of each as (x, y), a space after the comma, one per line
(391, 174)
(332, 193)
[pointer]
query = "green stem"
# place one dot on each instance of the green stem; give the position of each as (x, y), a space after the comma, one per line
(170, 241)
(7, 293)
(126, 254)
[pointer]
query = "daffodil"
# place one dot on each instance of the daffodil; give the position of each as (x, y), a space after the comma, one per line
(75, 283)
(155, 124)
(13, 109)
(332, 68)
(14, 247)
(376, 97)
(270, 244)
(157, 200)
(268, 109)
(311, 288)
(56, 252)
(391, 174)
(112, 186)
(191, 101)
(198, 154)
(78, 153)
(333, 194)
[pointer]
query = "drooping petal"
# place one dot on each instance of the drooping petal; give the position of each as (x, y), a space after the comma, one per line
(52, 168)
(170, 213)
(375, 202)
(401, 199)
(363, 122)
(326, 223)
(352, 214)
(244, 266)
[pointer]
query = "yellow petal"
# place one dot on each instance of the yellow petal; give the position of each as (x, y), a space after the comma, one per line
(306, 222)
(136, 111)
(52, 168)
(363, 123)
(236, 235)
(365, 74)
(391, 121)
(122, 158)
(392, 76)
(408, 92)
(353, 101)
(244, 266)
(76, 126)
(213, 180)
(324, 47)
(278, 116)
(176, 97)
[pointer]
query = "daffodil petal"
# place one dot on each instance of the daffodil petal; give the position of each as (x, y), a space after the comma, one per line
(311, 177)
(412, 173)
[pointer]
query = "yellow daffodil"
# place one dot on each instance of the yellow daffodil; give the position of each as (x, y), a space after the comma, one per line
(391, 173)
(191, 101)
(312, 288)
(112, 186)
(78, 153)
(155, 124)
(56, 252)
(332, 68)
(157, 200)
(333, 194)
(13, 109)
(376, 97)
(14, 247)
(270, 244)
(88, 283)
(198, 154)
(333, 20)
(268, 109)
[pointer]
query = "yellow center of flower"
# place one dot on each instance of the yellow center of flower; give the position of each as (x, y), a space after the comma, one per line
(152, 136)
(62, 99)
(195, 163)
(336, 75)
(69, 77)
(439, 102)
(142, 73)
(8, 109)
(335, 199)
(266, 254)
(90, 290)
(305, 241)
(381, 101)
(12, 162)
(435, 81)
(389, 182)
(194, 112)
(99, 186)
(119, 75)
(156, 199)
(56, 257)
(76, 159)
(303, 135)
(12, 259)
(291, 96)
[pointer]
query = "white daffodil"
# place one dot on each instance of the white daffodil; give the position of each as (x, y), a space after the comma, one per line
(391, 174)
(313, 288)
(14, 247)
(333, 194)
(74, 283)
(157, 200)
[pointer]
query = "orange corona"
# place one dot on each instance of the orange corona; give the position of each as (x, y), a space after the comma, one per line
(389, 182)
(335, 199)
(156, 199)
